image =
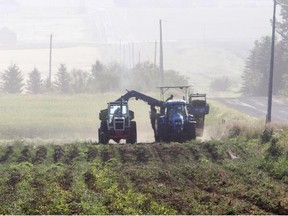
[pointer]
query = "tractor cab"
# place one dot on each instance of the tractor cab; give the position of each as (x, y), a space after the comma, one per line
(176, 108)
(119, 115)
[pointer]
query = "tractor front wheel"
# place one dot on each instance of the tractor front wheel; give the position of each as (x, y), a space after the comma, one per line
(163, 132)
(103, 133)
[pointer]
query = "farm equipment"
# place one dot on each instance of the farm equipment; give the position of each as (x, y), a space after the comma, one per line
(175, 124)
(171, 120)
(198, 107)
(117, 124)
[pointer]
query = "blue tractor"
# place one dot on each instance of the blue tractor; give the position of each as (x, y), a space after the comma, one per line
(175, 123)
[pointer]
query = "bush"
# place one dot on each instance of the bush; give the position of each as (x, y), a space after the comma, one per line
(220, 84)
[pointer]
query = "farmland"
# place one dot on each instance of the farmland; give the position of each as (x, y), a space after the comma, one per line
(75, 117)
(232, 176)
(237, 168)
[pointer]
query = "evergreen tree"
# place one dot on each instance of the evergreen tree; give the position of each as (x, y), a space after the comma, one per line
(281, 62)
(34, 83)
(79, 81)
(12, 80)
(47, 87)
(256, 72)
(62, 82)
(282, 25)
(280, 67)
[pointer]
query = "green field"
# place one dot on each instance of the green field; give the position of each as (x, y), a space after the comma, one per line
(50, 116)
(236, 175)
(75, 117)
(62, 117)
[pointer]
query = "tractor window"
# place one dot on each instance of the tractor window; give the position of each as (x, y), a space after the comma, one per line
(116, 110)
(177, 109)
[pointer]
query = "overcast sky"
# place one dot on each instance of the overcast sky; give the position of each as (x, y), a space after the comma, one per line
(108, 21)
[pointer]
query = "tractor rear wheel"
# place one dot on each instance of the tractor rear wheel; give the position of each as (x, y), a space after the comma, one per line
(133, 133)
(191, 131)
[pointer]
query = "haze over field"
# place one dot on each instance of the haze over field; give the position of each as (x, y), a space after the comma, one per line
(78, 21)
(202, 39)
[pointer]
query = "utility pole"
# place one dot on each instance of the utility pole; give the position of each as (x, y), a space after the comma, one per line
(270, 87)
(161, 61)
(139, 58)
(155, 54)
(133, 55)
(120, 52)
(50, 64)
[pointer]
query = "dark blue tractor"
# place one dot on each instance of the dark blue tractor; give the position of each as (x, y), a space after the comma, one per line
(175, 123)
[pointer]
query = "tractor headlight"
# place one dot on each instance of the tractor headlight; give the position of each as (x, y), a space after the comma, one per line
(178, 123)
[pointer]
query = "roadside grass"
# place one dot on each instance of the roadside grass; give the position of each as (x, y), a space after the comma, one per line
(225, 122)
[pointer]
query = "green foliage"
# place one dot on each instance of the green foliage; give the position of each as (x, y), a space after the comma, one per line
(145, 76)
(221, 84)
(62, 82)
(100, 79)
(34, 82)
(282, 24)
(256, 73)
(79, 81)
(189, 178)
(266, 136)
(275, 161)
(105, 78)
(12, 80)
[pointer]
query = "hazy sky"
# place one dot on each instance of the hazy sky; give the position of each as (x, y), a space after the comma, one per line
(102, 21)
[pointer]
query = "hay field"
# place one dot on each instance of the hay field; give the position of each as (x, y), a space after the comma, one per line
(62, 117)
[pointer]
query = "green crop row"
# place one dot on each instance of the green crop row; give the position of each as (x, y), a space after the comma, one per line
(237, 175)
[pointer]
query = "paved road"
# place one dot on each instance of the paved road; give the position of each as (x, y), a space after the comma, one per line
(257, 107)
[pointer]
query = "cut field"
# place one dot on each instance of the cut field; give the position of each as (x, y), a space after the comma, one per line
(62, 117)
(50, 116)
(75, 117)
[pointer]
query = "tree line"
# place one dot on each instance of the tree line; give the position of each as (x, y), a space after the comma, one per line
(257, 69)
(100, 78)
